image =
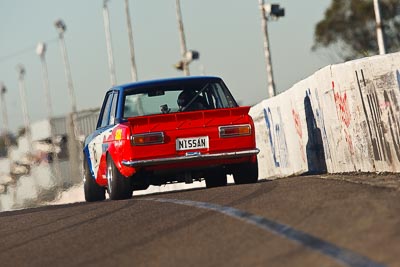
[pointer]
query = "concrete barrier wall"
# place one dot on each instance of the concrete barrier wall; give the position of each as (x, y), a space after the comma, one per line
(343, 118)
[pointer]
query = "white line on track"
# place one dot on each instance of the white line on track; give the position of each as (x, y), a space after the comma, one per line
(342, 255)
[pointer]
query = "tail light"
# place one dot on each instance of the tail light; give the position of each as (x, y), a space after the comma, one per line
(147, 139)
(234, 130)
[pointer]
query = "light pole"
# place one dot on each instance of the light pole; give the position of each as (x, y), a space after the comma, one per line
(187, 56)
(132, 52)
(131, 47)
(185, 65)
(269, 11)
(107, 30)
(61, 28)
(379, 30)
(22, 92)
(41, 51)
(5, 117)
(72, 130)
(7, 141)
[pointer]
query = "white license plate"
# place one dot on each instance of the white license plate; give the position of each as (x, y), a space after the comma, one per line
(192, 143)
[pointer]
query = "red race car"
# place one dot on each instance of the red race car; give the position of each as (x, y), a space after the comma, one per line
(168, 131)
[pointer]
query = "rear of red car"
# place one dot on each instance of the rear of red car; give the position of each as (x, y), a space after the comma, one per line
(191, 145)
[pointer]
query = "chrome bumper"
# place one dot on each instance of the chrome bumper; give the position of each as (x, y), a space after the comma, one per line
(190, 157)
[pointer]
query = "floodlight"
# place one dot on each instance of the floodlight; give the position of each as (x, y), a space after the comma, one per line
(21, 69)
(192, 55)
(41, 48)
(3, 88)
(274, 10)
(60, 26)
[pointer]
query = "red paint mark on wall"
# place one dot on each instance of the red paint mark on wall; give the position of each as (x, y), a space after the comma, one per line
(297, 122)
(342, 107)
(343, 113)
(299, 131)
(349, 141)
(385, 105)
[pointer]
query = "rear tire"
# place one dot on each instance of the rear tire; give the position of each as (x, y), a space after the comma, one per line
(118, 187)
(216, 179)
(246, 173)
(93, 191)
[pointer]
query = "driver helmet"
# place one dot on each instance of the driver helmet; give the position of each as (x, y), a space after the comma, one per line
(184, 97)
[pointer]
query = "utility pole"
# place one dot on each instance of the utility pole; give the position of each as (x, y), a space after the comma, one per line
(379, 30)
(5, 115)
(106, 18)
(7, 141)
(4, 108)
(130, 37)
(41, 51)
(72, 129)
(273, 11)
(185, 65)
(132, 52)
(22, 92)
(61, 28)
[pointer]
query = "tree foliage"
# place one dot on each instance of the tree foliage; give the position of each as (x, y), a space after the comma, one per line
(349, 26)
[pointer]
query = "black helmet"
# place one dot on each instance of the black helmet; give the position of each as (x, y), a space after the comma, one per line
(185, 97)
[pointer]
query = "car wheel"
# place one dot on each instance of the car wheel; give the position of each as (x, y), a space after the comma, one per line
(216, 179)
(118, 186)
(93, 191)
(246, 173)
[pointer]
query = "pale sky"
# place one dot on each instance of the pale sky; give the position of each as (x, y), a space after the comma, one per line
(227, 34)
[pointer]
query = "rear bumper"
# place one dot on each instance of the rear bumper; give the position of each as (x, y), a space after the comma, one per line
(190, 157)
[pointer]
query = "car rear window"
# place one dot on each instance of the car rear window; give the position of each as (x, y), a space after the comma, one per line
(177, 97)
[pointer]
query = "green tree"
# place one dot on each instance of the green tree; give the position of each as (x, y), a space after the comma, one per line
(349, 28)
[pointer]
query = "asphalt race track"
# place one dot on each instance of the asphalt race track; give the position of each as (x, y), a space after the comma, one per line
(301, 221)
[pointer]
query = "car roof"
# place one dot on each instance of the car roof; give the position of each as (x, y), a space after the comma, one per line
(166, 81)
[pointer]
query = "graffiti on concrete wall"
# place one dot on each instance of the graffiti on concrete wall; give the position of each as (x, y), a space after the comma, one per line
(398, 80)
(352, 123)
(382, 111)
(342, 106)
(359, 133)
(277, 139)
(344, 115)
(393, 115)
(314, 147)
(319, 117)
(299, 131)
